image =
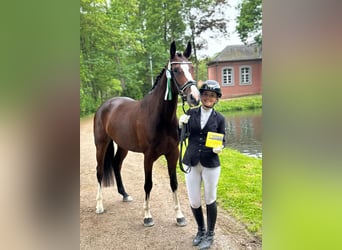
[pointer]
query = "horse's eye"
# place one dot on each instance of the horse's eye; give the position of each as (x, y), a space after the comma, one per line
(175, 70)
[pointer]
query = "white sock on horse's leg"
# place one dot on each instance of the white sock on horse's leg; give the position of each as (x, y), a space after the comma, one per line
(99, 204)
(179, 215)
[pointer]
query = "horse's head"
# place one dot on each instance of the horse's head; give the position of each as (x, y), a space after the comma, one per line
(182, 73)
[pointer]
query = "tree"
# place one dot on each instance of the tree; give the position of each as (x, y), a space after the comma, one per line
(109, 44)
(250, 21)
(203, 16)
(203, 69)
(160, 24)
(118, 38)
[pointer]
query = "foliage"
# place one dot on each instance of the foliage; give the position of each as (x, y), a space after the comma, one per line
(250, 20)
(203, 16)
(133, 90)
(120, 39)
(202, 73)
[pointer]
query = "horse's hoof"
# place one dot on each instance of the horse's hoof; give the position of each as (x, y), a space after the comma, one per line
(99, 210)
(127, 198)
(181, 222)
(148, 222)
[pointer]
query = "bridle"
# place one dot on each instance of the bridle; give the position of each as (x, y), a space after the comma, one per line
(180, 90)
(184, 133)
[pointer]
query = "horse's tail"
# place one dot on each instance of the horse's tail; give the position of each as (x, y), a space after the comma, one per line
(108, 179)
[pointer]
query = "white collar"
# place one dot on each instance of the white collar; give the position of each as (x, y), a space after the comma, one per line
(204, 110)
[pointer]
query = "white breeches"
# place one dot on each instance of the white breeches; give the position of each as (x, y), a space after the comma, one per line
(210, 177)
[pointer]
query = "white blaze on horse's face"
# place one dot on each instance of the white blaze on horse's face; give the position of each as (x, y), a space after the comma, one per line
(193, 89)
(195, 93)
(185, 68)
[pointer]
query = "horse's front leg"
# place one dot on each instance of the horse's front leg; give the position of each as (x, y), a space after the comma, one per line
(171, 165)
(148, 163)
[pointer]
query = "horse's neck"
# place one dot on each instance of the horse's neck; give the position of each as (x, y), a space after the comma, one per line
(160, 108)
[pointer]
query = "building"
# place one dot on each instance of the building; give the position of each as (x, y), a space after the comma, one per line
(238, 70)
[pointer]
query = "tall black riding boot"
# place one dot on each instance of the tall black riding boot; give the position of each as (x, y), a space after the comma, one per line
(211, 221)
(198, 214)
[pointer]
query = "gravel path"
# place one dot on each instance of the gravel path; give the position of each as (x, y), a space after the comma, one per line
(121, 225)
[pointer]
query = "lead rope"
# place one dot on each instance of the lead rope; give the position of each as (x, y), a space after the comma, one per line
(183, 136)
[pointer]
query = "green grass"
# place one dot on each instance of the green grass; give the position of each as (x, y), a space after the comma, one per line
(240, 104)
(240, 188)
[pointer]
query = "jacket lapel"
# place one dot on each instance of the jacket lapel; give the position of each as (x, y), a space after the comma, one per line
(198, 118)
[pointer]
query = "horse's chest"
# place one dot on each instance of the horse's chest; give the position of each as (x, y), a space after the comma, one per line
(166, 131)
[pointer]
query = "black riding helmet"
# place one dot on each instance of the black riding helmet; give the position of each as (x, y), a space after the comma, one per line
(211, 85)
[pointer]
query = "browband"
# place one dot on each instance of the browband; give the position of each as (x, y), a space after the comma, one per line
(180, 62)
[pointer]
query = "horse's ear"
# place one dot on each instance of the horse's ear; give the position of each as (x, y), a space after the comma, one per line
(172, 50)
(187, 51)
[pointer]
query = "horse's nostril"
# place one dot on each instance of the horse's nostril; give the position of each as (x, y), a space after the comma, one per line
(192, 100)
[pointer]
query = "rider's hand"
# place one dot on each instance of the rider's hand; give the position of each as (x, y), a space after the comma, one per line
(183, 119)
(218, 150)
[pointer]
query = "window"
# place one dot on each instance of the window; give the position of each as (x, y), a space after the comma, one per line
(227, 76)
(245, 75)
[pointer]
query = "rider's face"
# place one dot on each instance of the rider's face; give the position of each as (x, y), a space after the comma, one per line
(209, 98)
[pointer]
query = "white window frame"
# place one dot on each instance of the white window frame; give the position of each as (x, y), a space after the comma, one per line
(225, 81)
(244, 75)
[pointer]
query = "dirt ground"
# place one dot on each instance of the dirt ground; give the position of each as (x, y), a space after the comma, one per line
(121, 225)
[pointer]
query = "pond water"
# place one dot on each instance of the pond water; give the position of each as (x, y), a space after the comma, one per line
(243, 132)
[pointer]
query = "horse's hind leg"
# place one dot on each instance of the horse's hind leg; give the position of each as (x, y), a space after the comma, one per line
(101, 151)
(171, 165)
(117, 165)
(99, 175)
(99, 204)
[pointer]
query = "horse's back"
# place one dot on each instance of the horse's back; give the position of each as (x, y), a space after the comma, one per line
(116, 119)
(115, 104)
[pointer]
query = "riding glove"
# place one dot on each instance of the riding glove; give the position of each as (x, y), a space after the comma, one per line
(183, 119)
(218, 150)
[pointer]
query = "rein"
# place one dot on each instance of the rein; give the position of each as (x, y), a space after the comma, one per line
(184, 134)
(184, 131)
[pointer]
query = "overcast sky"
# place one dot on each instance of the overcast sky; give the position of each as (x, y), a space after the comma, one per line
(218, 44)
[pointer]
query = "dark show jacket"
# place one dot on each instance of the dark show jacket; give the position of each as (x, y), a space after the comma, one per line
(196, 150)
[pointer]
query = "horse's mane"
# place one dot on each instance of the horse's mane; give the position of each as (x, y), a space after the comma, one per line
(157, 80)
(160, 75)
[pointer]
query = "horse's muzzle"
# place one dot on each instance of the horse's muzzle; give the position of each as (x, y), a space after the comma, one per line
(193, 97)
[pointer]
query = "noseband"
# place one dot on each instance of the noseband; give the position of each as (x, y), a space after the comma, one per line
(183, 88)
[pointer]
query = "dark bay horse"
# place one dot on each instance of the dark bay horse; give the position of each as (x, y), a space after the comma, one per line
(148, 126)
